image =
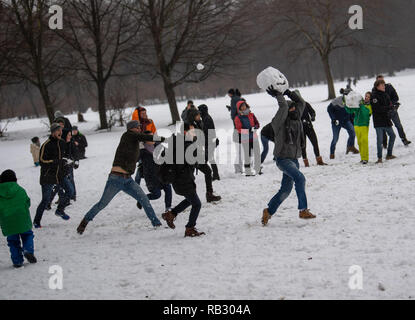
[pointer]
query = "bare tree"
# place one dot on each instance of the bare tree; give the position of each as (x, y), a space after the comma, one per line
(319, 25)
(184, 33)
(101, 33)
(35, 53)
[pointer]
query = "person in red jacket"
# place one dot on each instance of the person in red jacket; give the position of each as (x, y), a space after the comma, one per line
(246, 123)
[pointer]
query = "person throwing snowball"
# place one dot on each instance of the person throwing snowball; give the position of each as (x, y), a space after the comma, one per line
(289, 141)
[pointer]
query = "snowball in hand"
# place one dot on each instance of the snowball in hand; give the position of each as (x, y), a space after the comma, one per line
(272, 77)
(353, 100)
(200, 66)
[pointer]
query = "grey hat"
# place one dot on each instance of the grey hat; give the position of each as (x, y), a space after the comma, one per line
(59, 114)
(133, 124)
(54, 127)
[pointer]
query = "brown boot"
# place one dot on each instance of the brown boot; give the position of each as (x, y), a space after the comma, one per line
(332, 157)
(390, 157)
(306, 163)
(306, 214)
(379, 161)
(192, 232)
(169, 217)
(352, 150)
(210, 197)
(320, 161)
(266, 217)
(82, 226)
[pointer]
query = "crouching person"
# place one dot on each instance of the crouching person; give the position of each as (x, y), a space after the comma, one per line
(126, 157)
(184, 185)
(15, 220)
(289, 141)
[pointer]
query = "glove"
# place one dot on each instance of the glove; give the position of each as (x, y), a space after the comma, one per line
(229, 108)
(76, 165)
(336, 122)
(272, 92)
(162, 139)
(313, 119)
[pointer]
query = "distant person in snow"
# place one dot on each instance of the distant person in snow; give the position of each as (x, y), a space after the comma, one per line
(59, 116)
(361, 126)
(246, 125)
(189, 106)
(35, 150)
(80, 142)
(123, 168)
(235, 96)
(15, 221)
(289, 141)
(393, 114)
(341, 119)
(308, 117)
(381, 107)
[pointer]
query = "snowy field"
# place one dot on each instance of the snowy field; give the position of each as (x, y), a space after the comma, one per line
(366, 217)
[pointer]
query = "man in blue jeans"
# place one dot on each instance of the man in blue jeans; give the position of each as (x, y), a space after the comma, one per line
(341, 119)
(289, 141)
(120, 179)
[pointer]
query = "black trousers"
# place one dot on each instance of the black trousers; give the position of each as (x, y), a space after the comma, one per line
(190, 200)
(207, 171)
(310, 133)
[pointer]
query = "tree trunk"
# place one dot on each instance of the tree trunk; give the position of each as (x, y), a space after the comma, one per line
(329, 76)
(32, 102)
(171, 98)
(46, 101)
(101, 105)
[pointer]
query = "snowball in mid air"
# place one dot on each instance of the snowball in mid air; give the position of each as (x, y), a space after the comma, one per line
(200, 67)
(272, 77)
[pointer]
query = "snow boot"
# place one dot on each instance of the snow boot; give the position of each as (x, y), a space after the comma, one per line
(306, 163)
(30, 257)
(365, 162)
(320, 161)
(332, 157)
(406, 142)
(82, 226)
(306, 214)
(62, 215)
(17, 266)
(260, 171)
(249, 172)
(379, 161)
(266, 217)
(192, 233)
(391, 157)
(169, 217)
(352, 150)
(210, 197)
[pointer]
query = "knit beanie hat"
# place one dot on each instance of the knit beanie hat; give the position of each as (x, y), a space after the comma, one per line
(8, 176)
(54, 127)
(133, 124)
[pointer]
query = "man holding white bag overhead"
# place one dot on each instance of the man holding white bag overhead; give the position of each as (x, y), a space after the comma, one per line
(289, 140)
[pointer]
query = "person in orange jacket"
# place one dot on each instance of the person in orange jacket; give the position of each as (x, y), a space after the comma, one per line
(140, 115)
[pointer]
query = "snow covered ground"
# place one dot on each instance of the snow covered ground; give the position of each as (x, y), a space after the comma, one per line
(365, 218)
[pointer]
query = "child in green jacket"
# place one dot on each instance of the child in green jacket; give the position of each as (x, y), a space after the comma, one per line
(15, 221)
(361, 126)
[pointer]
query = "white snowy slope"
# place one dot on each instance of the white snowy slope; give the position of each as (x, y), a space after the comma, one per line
(366, 217)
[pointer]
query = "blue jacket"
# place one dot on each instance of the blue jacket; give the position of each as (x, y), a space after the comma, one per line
(338, 113)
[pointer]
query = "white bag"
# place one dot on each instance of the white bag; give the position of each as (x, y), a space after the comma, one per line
(272, 77)
(353, 100)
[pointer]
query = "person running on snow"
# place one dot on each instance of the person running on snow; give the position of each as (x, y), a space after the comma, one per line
(289, 141)
(52, 173)
(120, 179)
(361, 126)
(80, 142)
(341, 119)
(211, 141)
(308, 117)
(394, 115)
(381, 107)
(15, 220)
(184, 184)
(194, 120)
(246, 123)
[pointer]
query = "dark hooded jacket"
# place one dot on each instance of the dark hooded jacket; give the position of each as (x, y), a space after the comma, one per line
(51, 162)
(268, 132)
(381, 108)
(309, 115)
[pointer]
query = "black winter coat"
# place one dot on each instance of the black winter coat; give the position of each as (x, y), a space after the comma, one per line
(52, 165)
(381, 107)
(390, 90)
(309, 115)
(268, 132)
(128, 150)
(82, 142)
(150, 171)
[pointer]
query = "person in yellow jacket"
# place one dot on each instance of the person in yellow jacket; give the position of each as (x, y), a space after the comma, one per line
(140, 115)
(361, 125)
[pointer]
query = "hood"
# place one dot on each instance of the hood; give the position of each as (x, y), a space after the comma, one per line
(191, 115)
(204, 110)
(8, 189)
(239, 104)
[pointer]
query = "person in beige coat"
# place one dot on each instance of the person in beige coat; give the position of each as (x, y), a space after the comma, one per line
(35, 150)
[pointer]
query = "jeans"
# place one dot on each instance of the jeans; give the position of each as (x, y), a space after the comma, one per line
(66, 190)
(392, 137)
(16, 248)
(168, 195)
(138, 175)
(292, 174)
(265, 145)
(397, 122)
(190, 200)
(47, 190)
(114, 185)
(310, 133)
(72, 181)
(336, 134)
